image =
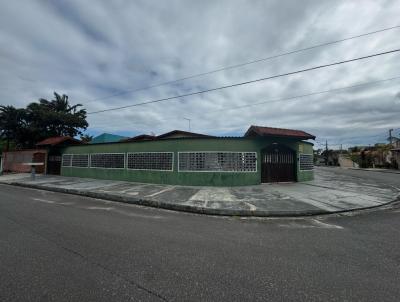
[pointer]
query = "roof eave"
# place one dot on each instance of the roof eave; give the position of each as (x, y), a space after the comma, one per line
(255, 134)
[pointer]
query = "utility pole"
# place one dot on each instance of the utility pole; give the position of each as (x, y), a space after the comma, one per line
(390, 136)
(326, 152)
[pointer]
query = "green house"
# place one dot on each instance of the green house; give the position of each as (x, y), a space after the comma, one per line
(262, 155)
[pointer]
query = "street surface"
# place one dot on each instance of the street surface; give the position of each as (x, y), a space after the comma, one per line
(374, 176)
(58, 247)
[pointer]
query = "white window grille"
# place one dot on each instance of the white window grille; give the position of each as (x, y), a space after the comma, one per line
(161, 161)
(306, 162)
(80, 160)
(218, 161)
(66, 160)
(107, 160)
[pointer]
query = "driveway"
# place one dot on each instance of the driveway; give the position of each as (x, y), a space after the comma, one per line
(332, 191)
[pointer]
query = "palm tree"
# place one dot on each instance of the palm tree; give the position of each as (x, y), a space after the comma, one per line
(11, 122)
(40, 120)
(58, 117)
(60, 104)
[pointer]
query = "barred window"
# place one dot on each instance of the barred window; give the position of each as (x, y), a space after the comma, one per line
(66, 160)
(107, 160)
(150, 161)
(306, 162)
(218, 161)
(80, 160)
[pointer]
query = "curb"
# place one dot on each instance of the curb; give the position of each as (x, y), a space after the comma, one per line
(366, 170)
(192, 209)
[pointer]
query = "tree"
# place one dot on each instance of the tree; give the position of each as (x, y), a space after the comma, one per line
(86, 138)
(12, 121)
(41, 120)
(57, 117)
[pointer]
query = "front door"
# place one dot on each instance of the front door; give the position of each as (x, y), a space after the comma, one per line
(278, 164)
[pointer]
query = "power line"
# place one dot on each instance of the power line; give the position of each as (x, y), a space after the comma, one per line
(343, 140)
(241, 64)
(308, 94)
(382, 134)
(246, 82)
(320, 140)
(292, 98)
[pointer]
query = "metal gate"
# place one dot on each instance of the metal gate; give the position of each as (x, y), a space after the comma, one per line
(278, 164)
(54, 164)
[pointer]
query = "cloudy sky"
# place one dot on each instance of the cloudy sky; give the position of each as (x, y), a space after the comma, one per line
(99, 52)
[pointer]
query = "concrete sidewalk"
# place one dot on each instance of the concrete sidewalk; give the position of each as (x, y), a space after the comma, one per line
(326, 194)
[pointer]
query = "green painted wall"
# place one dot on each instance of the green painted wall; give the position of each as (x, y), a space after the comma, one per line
(183, 178)
(304, 148)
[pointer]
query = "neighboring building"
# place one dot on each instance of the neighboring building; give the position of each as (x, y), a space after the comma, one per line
(47, 152)
(53, 147)
(345, 161)
(142, 137)
(395, 152)
(263, 154)
(377, 156)
(107, 138)
(15, 161)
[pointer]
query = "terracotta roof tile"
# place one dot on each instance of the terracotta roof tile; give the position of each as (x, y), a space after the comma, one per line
(269, 131)
(56, 140)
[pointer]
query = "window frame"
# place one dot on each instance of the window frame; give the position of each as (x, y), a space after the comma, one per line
(90, 161)
(172, 164)
(62, 161)
(88, 164)
(219, 171)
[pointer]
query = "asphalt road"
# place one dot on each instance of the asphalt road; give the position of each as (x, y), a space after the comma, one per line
(374, 176)
(56, 247)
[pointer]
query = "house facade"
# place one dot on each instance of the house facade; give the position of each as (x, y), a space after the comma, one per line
(263, 154)
(395, 151)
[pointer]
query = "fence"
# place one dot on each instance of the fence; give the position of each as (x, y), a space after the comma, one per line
(13, 161)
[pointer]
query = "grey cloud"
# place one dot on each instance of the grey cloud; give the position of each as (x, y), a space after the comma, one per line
(91, 49)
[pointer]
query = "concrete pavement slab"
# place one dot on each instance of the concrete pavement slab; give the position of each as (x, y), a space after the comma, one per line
(328, 193)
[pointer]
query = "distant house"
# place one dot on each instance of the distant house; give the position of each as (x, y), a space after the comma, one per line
(107, 138)
(377, 156)
(15, 161)
(396, 153)
(47, 152)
